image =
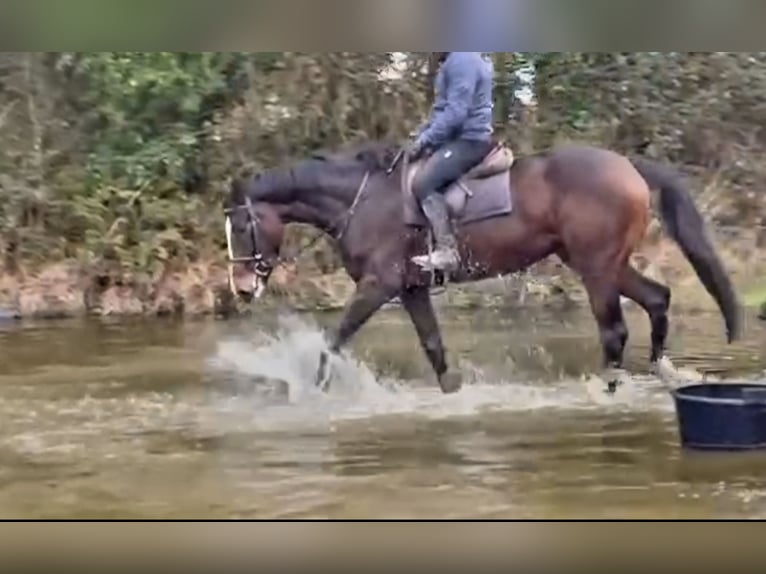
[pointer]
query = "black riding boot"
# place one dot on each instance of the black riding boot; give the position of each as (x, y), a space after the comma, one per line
(446, 256)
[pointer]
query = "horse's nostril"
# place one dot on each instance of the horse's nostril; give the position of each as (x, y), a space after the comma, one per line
(246, 296)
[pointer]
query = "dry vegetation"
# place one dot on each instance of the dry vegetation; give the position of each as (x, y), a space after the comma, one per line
(111, 164)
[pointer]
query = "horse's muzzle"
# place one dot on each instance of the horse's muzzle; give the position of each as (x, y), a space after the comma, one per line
(249, 286)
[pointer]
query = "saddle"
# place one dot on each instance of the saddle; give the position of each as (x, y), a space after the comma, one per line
(483, 192)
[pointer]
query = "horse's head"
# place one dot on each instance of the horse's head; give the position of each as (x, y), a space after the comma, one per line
(257, 209)
(254, 233)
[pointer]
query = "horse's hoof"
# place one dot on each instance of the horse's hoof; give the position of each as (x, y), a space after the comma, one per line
(665, 371)
(323, 382)
(611, 387)
(450, 383)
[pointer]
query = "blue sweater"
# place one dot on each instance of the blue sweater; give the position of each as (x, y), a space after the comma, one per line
(490, 25)
(463, 100)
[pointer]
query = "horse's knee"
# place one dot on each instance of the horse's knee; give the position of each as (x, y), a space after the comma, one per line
(384, 282)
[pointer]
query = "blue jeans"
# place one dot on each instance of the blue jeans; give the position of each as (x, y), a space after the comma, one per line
(448, 164)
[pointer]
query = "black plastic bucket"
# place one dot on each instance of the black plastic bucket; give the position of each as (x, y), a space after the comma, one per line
(722, 416)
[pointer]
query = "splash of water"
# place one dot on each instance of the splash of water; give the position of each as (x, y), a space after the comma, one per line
(290, 357)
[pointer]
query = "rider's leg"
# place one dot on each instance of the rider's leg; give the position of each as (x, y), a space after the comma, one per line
(444, 167)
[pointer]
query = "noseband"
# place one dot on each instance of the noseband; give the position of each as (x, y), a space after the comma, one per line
(262, 268)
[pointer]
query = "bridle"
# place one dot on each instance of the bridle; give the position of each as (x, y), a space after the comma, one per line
(351, 210)
(262, 267)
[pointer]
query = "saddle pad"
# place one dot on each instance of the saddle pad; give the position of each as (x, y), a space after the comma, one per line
(468, 201)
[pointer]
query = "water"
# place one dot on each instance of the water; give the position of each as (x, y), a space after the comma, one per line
(219, 420)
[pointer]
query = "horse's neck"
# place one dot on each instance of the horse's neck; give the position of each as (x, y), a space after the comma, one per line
(325, 211)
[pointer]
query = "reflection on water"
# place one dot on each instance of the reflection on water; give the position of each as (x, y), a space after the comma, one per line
(218, 419)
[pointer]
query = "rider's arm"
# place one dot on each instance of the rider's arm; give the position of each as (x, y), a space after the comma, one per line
(463, 76)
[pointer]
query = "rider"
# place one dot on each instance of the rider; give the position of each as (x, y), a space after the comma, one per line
(459, 133)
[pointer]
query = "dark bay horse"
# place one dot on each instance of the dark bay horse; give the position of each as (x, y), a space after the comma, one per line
(588, 206)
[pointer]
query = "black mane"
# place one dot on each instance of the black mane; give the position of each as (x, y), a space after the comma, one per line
(372, 155)
(261, 185)
(377, 155)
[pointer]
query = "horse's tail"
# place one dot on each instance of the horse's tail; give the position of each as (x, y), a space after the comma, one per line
(684, 223)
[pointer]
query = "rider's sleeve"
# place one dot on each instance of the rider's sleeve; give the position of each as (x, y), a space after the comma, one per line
(462, 72)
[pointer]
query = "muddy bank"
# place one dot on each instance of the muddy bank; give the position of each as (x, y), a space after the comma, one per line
(67, 289)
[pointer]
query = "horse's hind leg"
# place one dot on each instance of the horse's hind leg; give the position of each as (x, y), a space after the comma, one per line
(417, 303)
(604, 296)
(654, 298)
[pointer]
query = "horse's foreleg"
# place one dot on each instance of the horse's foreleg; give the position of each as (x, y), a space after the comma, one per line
(417, 303)
(370, 295)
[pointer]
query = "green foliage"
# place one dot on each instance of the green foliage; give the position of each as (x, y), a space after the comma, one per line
(118, 158)
(148, 111)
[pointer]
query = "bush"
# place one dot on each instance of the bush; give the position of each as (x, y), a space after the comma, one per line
(118, 159)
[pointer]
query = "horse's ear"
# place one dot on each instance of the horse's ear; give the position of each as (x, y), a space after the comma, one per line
(390, 155)
(237, 190)
(365, 156)
(374, 158)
